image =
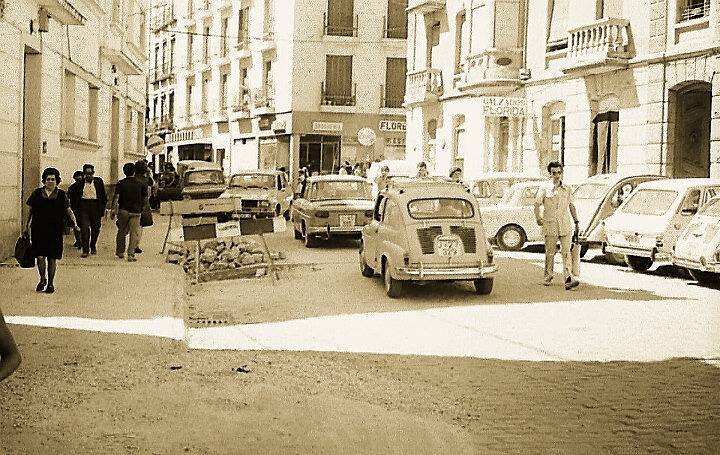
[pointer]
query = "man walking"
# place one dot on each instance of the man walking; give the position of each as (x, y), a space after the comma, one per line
(130, 195)
(75, 194)
(559, 221)
(91, 209)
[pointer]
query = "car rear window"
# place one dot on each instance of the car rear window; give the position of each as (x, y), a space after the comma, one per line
(712, 208)
(650, 202)
(423, 209)
(332, 190)
(203, 177)
(253, 181)
(590, 191)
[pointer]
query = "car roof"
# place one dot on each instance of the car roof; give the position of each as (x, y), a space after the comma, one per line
(429, 186)
(613, 178)
(258, 172)
(529, 183)
(674, 184)
(506, 175)
(336, 178)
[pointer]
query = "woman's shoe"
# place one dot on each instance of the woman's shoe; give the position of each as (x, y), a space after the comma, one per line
(50, 289)
(41, 286)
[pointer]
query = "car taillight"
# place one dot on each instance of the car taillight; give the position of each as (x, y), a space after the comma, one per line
(368, 213)
(322, 214)
(717, 256)
(659, 241)
(489, 252)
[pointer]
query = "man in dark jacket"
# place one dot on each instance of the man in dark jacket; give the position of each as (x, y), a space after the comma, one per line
(74, 194)
(91, 208)
(130, 196)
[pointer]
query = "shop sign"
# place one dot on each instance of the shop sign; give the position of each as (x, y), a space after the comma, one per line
(499, 106)
(392, 126)
(327, 126)
(395, 141)
(366, 136)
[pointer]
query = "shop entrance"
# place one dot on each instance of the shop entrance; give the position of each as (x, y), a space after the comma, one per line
(603, 155)
(202, 152)
(692, 131)
(319, 153)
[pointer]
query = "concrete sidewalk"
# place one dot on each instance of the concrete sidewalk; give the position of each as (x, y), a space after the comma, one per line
(102, 286)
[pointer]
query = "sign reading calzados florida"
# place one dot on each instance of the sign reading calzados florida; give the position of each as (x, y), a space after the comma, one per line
(498, 106)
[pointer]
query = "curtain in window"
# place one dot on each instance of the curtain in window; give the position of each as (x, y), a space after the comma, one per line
(395, 82)
(338, 76)
(557, 30)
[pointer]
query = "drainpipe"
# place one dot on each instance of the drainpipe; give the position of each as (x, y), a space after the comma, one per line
(662, 120)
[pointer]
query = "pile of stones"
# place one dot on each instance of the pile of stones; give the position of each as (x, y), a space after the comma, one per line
(221, 254)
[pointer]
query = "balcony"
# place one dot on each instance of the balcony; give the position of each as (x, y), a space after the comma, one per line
(425, 6)
(164, 18)
(62, 11)
(263, 101)
(338, 102)
(348, 28)
(165, 123)
(492, 72)
(241, 105)
(162, 72)
(600, 47)
(423, 87)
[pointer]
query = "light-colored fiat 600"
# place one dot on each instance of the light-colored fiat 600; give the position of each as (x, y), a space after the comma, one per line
(425, 230)
(512, 221)
(647, 225)
(331, 205)
(698, 248)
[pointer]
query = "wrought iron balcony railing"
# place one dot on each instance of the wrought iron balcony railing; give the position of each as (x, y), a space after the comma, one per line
(347, 98)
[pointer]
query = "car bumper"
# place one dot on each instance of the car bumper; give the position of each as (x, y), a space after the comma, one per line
(713, 267)
(254, 213)
(329, 231)
(445, 273)
(653, 254)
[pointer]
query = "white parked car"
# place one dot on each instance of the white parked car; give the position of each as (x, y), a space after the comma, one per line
(491, 187)
(512, 221)
(698, 248)
(647, 225)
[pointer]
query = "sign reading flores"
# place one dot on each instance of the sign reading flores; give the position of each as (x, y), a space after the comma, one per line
(498, 106)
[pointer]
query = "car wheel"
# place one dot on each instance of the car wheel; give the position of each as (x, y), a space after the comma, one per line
(704, 277)
(393, 287)
(286, 215)
(615, 259)
(511, 237)
(483, 286)
(298, 234)
(365, 269)
(638, 263)
(310, 240)
(278, 210)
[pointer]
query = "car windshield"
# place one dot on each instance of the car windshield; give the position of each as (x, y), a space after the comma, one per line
(650, 202)
(423, 209)
(590, 191)
(252, 181)
(519, 193)
(339, 189)
(204, 177)
(712, 208)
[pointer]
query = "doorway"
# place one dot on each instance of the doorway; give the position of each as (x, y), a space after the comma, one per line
(320, 153)
(31, 144)
(603, 155)
(691, 157)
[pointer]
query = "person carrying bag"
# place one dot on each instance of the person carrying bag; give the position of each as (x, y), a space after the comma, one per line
(24, 252)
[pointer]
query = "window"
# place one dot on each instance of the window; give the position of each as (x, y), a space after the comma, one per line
(164, 56)
(480, 23)
(433, 45)
(172, 54)
(603, 158)
(338, 86)
(189, 50)
(128, 128)
(557, 25)
(157, 57)
(139, 136)
(207, 75)
(557, 126)
(69, 87)
(609, 8)
(189, 97)
(461, 41)
(650, 202)
(339, 20)
(243, 25)
(422, 209)
(223, 91)
(93, 93)
(692, 9)
(395, 69)
(691, 203)
(338, 190)
(268, 19)
(171, 105)
(252, 181)
(206, 43)
(392, 215)
(712, 208)
(396, 26)
(223, 36)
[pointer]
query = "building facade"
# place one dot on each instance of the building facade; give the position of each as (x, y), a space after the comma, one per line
(268, 84)
(72, 90)
(615, 86)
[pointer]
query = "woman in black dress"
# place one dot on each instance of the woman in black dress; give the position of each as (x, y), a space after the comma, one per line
(49, 206)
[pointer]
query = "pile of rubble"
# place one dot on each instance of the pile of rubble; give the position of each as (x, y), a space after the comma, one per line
(239, 253)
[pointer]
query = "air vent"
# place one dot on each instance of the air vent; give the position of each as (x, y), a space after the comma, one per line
(426, 237)
(467, 235)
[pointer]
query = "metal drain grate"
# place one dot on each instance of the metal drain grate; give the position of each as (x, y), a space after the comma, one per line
(210, 320)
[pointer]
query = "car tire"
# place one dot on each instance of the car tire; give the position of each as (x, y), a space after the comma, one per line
(393, 287)
(483, 286)
(704, 277)
(365, 269)
(615, 259)
(511, 237)
(298, 235)
(638, 263)
(286, 215)
(310, 240)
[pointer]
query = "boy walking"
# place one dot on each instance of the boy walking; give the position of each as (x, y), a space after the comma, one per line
(130, 195)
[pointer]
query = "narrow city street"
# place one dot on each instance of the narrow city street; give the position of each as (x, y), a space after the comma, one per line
(323, 361)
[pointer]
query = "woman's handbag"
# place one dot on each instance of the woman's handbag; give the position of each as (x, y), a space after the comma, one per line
(146, 218)
(23, 251)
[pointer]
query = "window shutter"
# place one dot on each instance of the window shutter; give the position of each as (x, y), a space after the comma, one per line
(395, 81)
(558, 21)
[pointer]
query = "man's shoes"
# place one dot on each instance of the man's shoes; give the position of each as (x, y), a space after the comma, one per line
(571, 283)
(138, 250)
(132, 259)
(93, 250)
(548, 280)
(77, 245)
(84, 255)
(41, 285)
(121, 255)
(49, 289)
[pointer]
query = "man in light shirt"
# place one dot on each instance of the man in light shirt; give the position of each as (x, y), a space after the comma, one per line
(559, 221)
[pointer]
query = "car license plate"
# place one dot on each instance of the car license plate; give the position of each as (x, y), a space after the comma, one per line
(447, 246)
(347, 220)
(632, 238)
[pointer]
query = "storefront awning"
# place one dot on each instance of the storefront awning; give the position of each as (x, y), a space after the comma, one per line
(62, 11)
